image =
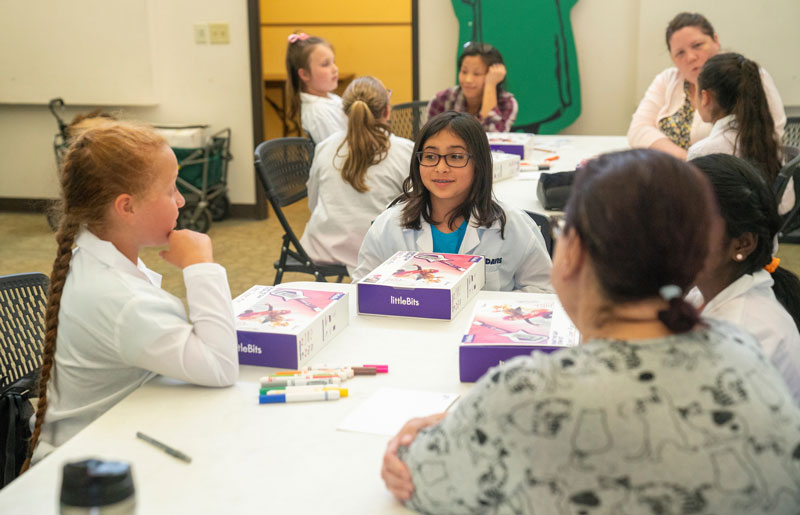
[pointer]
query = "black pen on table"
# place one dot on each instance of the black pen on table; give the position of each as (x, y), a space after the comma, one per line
(164, 447)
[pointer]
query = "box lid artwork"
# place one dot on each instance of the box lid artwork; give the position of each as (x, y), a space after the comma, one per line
(421, 284)
(280, 310)
(283, 326)
(511, 326)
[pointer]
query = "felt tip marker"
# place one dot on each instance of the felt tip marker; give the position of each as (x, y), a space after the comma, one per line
(298, 397)
(295, 381)
(382, 369)
(164, 447)
(551, 158)
(298, 389)
(534, 168)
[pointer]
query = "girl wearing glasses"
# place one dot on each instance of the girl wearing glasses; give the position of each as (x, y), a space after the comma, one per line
(481, 74)
(354, 176)
(447, 207)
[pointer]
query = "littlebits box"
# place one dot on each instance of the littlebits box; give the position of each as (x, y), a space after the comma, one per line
(284, 327)
(513, 325)
(519, 143)
(504, 166)
(421, 285)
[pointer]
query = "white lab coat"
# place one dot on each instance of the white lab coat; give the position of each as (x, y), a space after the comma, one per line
(750, 303)
(518, 262)
(340, 215)
(722, 140)
(117, 329)
(322, 116)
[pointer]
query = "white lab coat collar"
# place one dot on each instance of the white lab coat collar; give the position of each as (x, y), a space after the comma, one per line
(107, 253)
(472, 237)
(722, 125)
(739, 287)
(308, 97)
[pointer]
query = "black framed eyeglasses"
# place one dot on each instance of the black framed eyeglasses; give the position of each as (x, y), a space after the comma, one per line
(455, 160)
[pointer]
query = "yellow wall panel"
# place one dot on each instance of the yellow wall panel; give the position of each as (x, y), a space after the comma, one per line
(303, 12)
(380, 51)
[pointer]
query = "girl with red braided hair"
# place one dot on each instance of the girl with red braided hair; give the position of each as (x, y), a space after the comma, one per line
(109, 326)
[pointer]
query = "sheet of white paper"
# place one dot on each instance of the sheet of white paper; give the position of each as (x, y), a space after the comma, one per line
(385, 412)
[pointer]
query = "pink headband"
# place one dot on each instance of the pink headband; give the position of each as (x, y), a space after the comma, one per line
(294, 38)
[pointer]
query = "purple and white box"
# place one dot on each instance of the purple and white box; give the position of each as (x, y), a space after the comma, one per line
(514, 324)
(519, 143)
(421, 285)
(284, 327)
(504, 166)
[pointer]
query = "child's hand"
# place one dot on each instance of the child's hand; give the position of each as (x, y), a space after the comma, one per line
(496, 74)
(187, 248)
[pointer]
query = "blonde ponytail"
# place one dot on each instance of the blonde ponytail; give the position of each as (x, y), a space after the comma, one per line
(365, 103)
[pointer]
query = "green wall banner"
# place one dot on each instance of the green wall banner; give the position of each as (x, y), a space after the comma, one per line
(536, 41)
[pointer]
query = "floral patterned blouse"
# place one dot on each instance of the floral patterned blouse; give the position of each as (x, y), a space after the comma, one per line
(678, 127)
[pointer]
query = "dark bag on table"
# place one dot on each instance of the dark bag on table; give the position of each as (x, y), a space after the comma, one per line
(554, 188)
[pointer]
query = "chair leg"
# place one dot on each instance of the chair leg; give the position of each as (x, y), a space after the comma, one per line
(339, 278)
(278, 275)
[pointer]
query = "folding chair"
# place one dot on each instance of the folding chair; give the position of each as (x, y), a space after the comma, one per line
(407, 119)
(283, 166)
(544, 225)
(791, 132)
(23, 301)
(790, 223)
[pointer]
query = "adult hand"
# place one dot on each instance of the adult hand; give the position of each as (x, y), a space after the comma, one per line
(496, 74)
(187, 248)
(394, 472)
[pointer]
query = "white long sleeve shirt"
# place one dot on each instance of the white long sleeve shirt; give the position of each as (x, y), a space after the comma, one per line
(322, 116)
(750, 303)
(665, 96)
(722, 140)
(519, 261)
(340, 215)
(117, 329)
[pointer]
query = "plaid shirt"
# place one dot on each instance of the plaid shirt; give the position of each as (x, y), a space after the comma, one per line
(499, 119)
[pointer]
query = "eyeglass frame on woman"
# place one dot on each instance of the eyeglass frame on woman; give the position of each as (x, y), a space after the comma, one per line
(446, 158)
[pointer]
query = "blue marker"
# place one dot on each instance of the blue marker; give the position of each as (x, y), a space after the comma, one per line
(306, 396)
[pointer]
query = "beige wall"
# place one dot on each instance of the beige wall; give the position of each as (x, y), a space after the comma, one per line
(194, 84)
(619, 43)
(620, 49)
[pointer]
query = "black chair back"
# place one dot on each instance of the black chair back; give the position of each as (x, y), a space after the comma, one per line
(547, 232)
(791, 132)
(407, 119)
(23, 302)
(283, 166)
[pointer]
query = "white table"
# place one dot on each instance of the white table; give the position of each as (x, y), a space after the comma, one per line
(249, 458)
(571, 150)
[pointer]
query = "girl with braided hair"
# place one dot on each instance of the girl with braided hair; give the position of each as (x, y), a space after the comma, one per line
(109, 326)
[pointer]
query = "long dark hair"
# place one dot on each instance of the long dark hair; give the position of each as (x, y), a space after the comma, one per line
(735, 83)
(479, 202)
(488, 54)
(747, 204)
(683, 20)
(642, 217)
